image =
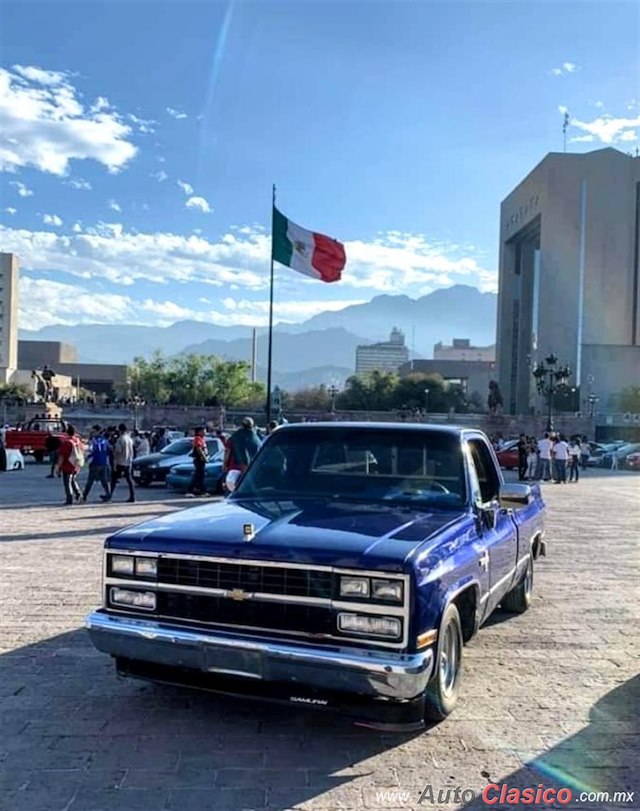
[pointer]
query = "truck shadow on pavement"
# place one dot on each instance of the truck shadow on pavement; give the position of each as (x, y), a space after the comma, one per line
(602, 757)
(73, 736)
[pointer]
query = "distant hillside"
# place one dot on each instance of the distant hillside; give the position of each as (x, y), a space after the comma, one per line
(291, 352)
(329, 339)
(452, 312)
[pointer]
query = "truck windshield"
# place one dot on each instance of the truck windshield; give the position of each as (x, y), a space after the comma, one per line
(400, 467)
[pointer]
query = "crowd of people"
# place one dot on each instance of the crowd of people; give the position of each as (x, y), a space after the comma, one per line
(109, 452)
(550, 458)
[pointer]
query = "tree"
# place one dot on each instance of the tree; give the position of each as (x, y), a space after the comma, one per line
(14, 392)
(193, 380)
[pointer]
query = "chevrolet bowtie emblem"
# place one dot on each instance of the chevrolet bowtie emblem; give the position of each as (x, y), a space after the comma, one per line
(237, 594)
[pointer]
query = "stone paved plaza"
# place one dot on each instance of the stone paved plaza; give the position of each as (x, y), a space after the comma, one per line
(548, 697)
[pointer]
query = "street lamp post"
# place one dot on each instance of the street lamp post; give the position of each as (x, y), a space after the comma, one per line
(549, 377)
(332, 391)
(426, 402)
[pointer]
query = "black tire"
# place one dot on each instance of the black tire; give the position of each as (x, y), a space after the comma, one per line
(146, 480)
(518, 599)
(38, 456)
(442, 692)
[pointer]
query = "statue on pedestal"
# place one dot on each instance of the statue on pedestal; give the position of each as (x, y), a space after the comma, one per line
(494, 400)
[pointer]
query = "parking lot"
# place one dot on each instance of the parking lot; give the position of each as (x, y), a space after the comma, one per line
(549, 697)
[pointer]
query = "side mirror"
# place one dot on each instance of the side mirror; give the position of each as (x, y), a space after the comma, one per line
(231, 480)
(515, 496)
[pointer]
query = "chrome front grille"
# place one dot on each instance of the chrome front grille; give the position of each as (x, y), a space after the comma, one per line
(288, 582)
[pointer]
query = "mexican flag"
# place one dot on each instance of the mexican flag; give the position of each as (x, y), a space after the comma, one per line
(315, 255)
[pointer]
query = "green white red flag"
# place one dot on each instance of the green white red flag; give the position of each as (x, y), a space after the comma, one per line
(308, 252)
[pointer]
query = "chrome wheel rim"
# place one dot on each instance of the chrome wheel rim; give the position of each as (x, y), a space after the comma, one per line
(449, 659)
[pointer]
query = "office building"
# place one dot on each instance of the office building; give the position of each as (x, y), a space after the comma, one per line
(472, 376)
(8, 316)
(461, 349)
(568, 276)
(387, 356)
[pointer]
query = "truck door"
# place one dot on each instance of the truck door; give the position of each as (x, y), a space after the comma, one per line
(498, 530)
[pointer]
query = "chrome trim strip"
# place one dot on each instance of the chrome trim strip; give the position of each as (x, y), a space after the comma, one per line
(522, 560)
(499, 583)
(369, 608)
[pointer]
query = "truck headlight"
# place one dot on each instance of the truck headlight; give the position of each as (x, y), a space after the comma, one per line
(354, 587)
(147, 567)
(386, 590)
(133, 599)
(370, 626)
(122, 564)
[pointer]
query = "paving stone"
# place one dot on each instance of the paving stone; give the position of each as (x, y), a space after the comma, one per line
(555, 688)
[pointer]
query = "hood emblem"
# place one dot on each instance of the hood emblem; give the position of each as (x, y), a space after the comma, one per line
(248, 532)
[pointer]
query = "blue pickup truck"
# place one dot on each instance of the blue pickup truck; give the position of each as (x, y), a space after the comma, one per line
(345, 571)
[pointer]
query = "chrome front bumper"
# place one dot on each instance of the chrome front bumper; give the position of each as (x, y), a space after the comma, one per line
(381, 675)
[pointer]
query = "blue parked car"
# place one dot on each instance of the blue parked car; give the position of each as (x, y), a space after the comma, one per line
(345, 571)
(179, 477)
(155, 467)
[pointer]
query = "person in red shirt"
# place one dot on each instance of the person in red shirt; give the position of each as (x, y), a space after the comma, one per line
(200, 457)
(68, 456)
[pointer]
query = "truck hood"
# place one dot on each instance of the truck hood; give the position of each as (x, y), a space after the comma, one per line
(314, 531)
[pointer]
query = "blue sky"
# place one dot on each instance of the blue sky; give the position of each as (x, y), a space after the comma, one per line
(140, 141)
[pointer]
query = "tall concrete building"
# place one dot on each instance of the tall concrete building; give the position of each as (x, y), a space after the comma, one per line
(461, 349)
(8, 316)
(387, 356)
(569, 252)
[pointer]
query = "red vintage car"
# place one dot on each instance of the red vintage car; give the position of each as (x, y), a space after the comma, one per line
(32, 438)
(508, 456)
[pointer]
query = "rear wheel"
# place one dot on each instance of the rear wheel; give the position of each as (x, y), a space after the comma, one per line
(442, 693)
(519, 598)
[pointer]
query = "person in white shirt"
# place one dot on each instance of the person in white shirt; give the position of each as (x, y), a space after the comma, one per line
(560, 457)
(544, 449)
(122, 461)
(574, 461)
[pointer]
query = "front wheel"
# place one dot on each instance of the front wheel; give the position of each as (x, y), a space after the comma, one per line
(38, 456)
(519, 598)
(442, 693)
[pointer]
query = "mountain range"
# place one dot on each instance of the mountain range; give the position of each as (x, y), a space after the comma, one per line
(320, 349)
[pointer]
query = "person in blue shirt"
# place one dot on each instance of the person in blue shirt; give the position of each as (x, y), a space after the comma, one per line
(98, 462)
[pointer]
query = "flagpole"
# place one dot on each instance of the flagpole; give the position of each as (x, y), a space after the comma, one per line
(270, 338)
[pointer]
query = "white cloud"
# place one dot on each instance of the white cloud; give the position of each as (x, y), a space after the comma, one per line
(160, 176)
(609, 130)
(109, 252)
(141, 124)
(582, 139)
(44, 301)
(79, 183)
(390, 263)
(51, 219)
(177, 114)
(45, 125)
(566, 67)
(77, 228)
(114, 206)
(23, 191)
(11, 210)
(199, 203)
(187, 188)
